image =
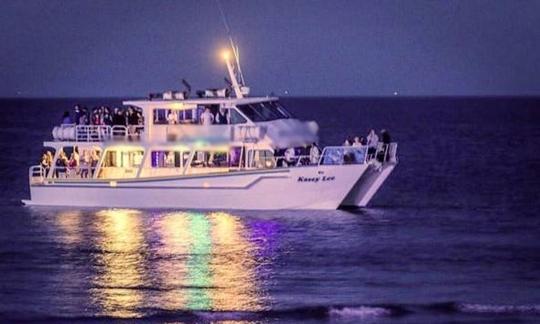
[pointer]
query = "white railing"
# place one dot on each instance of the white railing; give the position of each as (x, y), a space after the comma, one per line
(338, 155)
(79, 172)
(383, 153)
(96, 133)
(36, 174)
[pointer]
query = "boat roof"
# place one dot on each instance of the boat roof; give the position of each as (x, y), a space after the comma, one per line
(199, 101)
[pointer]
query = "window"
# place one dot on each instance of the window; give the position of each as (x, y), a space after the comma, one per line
(262, 159)
(236, 117)
(265, 111)
(123, 159)
(160, 116)
(168, 159)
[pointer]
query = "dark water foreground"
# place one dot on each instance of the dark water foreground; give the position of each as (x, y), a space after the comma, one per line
(452, 237)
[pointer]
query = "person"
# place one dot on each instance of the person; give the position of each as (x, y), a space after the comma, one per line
(347, 142)
(172, 117)
(45, 162)
(78, 114)
(94, 159)
(314, 154)
(385, 136)
(61, 164)
(372, 142)
(83, 118)
(357, 142)
(289, 156)
(222, 116)
(118, 118)
(73, 163)
(66, 119)
(85, 164)
(207, 118)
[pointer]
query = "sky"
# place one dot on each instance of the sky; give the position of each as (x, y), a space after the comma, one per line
(118, 48)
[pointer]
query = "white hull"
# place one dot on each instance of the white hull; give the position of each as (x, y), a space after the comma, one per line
(313, 187)
(368, 185)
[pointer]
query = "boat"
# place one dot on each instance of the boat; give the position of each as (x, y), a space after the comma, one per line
(257, 157)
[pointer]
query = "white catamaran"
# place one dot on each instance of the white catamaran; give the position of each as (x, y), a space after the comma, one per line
(257, 156)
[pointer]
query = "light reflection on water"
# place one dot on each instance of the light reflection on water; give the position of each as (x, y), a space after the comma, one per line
(170, 260)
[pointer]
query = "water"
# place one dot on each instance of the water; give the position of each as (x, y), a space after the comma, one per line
(451, 237)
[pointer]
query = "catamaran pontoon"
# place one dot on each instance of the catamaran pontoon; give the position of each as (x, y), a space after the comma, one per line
(173, 161)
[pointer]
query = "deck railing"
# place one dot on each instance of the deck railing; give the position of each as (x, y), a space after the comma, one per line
(96, 133)
(36, 174)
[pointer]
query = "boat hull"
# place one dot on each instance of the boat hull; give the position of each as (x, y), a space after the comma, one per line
(368, 184)
(312, 187)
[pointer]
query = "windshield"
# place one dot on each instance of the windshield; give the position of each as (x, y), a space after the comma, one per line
(265, 111)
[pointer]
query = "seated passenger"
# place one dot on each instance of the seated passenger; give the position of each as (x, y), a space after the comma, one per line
(44, 162)
(207, 118)
(290, 157)
(347, 142)
(314, 154)
(357, 142)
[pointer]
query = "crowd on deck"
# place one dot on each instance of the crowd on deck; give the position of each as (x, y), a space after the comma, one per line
(75, 165)
(103, 115)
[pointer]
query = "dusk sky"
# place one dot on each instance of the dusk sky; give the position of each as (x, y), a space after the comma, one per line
(308, 48)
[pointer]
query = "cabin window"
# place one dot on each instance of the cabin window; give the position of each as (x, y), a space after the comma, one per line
(264, 111)
(262, 159)
(160, 116)
(169, 159)
(236, 117)
(210, 159)
(123, 159)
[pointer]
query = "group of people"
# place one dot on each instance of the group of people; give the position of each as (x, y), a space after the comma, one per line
(371, 141)
(306, 155)
(206, 117)
(103, 115)
(74, 166)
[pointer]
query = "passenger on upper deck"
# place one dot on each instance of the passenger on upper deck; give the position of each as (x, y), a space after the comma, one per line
(172, 117)
(66, 119)
(118, 118)
(207, 118)
(222, 116)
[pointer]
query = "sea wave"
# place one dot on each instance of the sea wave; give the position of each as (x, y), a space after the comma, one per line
(499, 309)
(355, 312)
(360, 312)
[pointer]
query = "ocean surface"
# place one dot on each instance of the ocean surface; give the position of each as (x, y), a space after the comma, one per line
(453, 235)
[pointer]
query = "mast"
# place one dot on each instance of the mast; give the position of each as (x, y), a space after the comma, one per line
(234, 69)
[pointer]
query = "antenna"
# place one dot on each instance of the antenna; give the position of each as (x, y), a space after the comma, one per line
(235, 50)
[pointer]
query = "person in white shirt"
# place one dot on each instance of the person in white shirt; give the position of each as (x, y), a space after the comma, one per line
(207, 118)
(357, 142)
(372, 141)
(172, 117)
(314, 154)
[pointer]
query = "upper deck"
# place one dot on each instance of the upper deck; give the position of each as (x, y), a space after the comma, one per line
(240, 120)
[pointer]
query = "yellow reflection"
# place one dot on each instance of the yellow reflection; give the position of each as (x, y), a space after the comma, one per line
(176, 238)
(69, 223)
(233, 265)
(120, 267)
(206, 263)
